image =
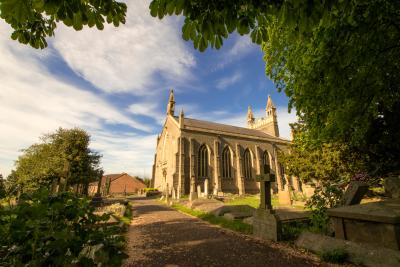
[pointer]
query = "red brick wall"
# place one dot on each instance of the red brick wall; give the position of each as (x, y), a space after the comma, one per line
(131, 184)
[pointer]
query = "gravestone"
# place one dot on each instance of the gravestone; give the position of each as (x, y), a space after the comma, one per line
(173, 193)
(215, 190)
(199, 191)
(392, 186)
(193, 193)
(354, 193)
(266, 224)
(206, 188)
(167, 193)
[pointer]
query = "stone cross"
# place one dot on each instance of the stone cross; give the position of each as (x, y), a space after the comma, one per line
(265, 180)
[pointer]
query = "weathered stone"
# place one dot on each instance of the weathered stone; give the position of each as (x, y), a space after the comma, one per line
(392, 186)
(249, 220)
(354, 193)
(234, 208)
(375, 222)
(206, 205)
(193, 196)
(206, 188)
(359, 254)
(237, 215)
(173, 195)
(199, 191)
(266, 225)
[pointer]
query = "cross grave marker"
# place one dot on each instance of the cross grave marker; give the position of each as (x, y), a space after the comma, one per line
(265, 180)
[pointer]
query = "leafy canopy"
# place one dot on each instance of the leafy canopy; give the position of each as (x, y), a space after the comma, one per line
(338, 61)
(62, 157)
(34, 20)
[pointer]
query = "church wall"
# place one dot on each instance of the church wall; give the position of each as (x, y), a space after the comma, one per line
(232, 185)
(166, 157)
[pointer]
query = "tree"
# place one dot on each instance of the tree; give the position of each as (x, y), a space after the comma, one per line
(34, 20)
(337, 61)
(2, 187)
(62, 159)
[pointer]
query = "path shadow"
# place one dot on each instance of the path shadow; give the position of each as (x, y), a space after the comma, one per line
(185, 241)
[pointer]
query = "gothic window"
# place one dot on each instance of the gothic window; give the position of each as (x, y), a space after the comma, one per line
(203, 162)
(247, 165)
(226, 163)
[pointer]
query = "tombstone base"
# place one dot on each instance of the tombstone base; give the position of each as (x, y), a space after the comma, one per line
(284, 198)
(193, 196)
(266, 225)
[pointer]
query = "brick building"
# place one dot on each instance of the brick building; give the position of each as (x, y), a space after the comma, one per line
(120, 183)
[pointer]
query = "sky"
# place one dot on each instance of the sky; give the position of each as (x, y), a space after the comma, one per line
(115, 84)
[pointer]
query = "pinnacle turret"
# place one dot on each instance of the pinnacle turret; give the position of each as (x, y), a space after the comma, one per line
(171, 104)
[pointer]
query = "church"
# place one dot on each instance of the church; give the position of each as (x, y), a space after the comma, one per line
(229, 157)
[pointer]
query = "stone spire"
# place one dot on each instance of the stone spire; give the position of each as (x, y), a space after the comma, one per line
(250, 117)
(270, 108)
(171, 104)
(181, 119)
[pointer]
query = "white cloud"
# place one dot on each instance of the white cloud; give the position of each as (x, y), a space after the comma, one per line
(125, 59)
(229, 80)
(241, 47)
(148, 109)
(34, 102)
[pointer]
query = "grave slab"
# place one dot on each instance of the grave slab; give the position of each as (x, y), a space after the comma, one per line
(375, 222)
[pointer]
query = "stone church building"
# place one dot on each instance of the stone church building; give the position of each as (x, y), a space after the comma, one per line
(228, 156)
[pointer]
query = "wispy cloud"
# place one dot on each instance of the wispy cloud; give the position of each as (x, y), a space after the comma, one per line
(33, 102)
(148, 109)
(125, 59)
(228, 81)
(241, 47)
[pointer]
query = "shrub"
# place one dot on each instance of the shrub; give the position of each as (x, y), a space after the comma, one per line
(338, 255)
(325, 196)
(58, 230)
(149, 189)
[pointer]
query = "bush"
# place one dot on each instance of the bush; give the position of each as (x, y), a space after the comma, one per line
(325, 196)
(149, 189)
(58, 230)
(337, 255)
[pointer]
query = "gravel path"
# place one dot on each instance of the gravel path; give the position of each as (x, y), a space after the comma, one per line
(160, 236)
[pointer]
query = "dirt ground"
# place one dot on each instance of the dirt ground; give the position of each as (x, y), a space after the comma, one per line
(160, 236)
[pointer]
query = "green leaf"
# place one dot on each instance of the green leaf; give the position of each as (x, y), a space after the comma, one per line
(77, 21)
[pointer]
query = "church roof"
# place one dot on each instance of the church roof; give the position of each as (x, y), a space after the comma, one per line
(224, 128)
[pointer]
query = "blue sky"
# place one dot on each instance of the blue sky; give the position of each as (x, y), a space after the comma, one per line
(115, 84)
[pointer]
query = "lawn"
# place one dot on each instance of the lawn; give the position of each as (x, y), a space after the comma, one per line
(235, 225)
(251, 200)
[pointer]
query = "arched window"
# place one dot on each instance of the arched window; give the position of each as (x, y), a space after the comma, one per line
(226, 163)
(247, 165)
(203, 162)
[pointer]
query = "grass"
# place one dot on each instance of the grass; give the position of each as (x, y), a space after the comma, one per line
(251, 200)
(337, 255)
(235, 225)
